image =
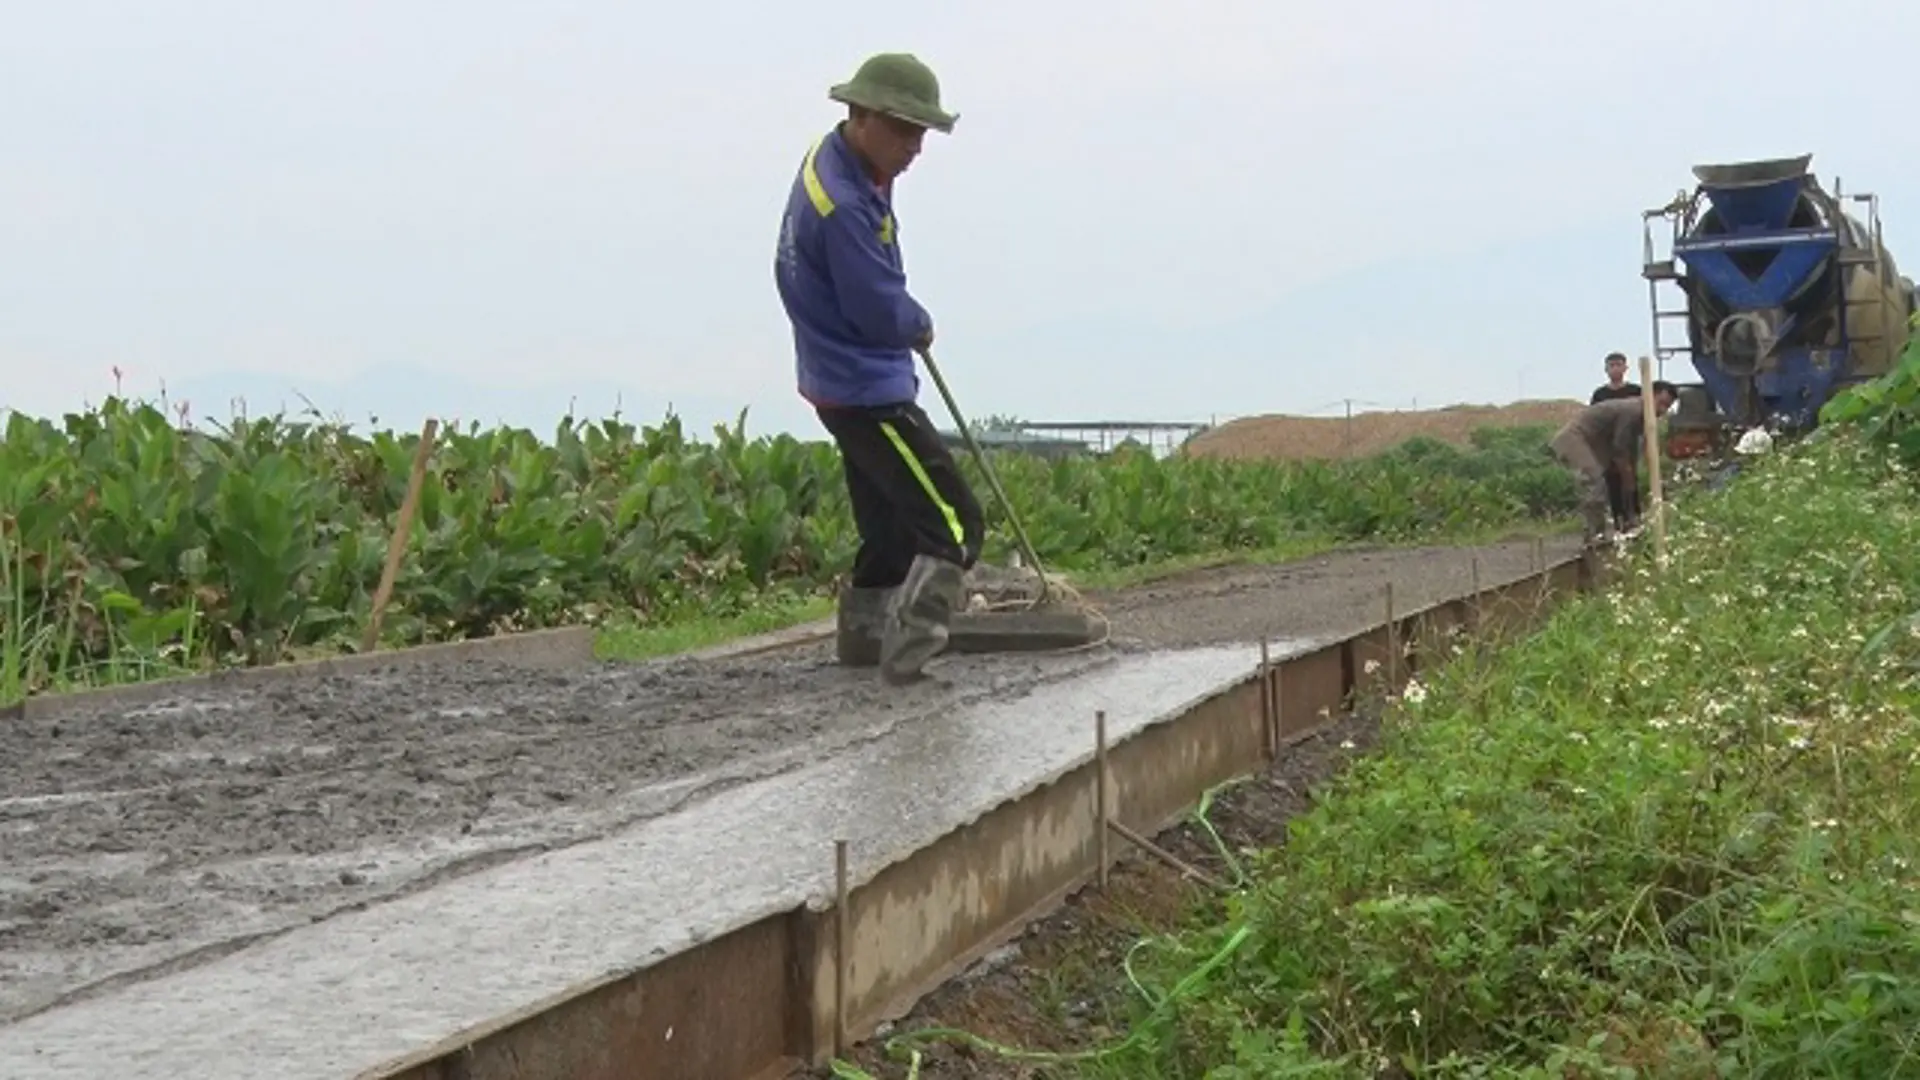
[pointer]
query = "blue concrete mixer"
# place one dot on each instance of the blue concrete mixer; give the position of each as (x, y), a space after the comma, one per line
(1786, 299)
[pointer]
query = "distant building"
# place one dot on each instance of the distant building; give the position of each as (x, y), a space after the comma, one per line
(1022, 442)
(1057, 439)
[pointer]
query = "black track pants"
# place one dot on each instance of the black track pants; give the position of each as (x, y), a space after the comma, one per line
(908, 495)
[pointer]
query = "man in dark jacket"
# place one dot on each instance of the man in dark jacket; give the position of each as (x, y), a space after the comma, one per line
(1609, 433)
(855, 330)
(1623, 496)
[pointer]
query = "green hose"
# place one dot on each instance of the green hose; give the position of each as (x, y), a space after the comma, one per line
(907, 1043)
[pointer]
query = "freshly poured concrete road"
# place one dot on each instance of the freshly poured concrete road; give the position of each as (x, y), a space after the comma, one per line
(160, 839)
(359, 990)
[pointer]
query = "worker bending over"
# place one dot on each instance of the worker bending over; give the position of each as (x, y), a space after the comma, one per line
(1622, 497)
(1606, 434)
(855, 329)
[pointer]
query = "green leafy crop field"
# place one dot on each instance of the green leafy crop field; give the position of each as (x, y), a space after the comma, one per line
(130, 546)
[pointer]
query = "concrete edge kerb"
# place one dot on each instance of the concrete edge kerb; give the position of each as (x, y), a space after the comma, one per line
(805, 633)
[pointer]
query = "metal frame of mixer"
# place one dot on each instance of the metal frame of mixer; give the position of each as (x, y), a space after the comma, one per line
(1699, 427)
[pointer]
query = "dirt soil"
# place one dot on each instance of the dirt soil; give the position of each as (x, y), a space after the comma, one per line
(1326, 438)
(1060, 988)
(137, 839)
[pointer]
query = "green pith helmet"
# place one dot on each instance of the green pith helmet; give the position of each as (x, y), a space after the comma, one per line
(899, 85)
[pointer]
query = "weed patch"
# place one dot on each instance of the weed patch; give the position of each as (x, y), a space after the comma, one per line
(1672, 834)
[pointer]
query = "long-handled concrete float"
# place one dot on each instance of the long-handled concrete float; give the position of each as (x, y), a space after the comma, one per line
(1034, 612)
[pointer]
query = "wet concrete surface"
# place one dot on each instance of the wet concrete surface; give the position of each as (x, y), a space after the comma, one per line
(361, 989)
(1062, 986)
(138, 840)
(1339, 594)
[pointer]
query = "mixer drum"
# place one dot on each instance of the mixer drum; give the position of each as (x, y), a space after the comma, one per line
(1878, 301)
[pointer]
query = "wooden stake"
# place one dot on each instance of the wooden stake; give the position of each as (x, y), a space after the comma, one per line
(842, 948)
(1101, 804)
(1650, 423)
(1276, 680)
(1476, 594)
(1393, 640)
(1165, 856)
(1539, 554)
(1268, 736)
(402, 528)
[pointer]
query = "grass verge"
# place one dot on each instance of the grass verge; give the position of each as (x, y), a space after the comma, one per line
(624, 640)
(1673, 834)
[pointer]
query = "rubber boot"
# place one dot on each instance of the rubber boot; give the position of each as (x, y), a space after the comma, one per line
(861, 619)
(918, 616)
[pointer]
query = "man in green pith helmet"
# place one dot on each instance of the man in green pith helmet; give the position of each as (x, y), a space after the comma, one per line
(855, 328)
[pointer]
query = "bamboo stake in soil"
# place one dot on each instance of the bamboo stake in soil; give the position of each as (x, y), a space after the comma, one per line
(842, 948)
(1274, 679)
(1650, 425)
(1393, 642)
(1476, 594)
(1166, 856)
(1269, 732)
(1101, 806)
(402, 528)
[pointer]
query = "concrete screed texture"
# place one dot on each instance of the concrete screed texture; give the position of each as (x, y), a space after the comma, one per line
(138, 841)
(356, 994)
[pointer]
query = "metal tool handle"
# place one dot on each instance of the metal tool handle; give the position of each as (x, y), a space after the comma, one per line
(993, 479)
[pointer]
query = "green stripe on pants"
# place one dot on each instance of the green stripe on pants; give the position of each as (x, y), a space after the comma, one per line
(920, 473)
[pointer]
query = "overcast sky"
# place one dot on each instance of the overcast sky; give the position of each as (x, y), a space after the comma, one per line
(1148, 210)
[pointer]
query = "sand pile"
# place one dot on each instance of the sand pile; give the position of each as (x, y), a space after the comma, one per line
(1299, 437)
